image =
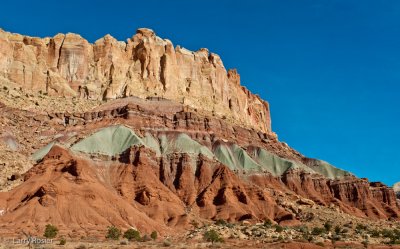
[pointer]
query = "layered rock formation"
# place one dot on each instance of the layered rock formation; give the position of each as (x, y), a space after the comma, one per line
(163, 163)
(192, 145)
(145, 65)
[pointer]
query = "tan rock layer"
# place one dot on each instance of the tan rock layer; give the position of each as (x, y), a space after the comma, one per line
(145, 65)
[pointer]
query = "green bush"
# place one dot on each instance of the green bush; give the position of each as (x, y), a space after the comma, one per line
(361, 227)
(113, 233)
(267, 223)
(50, 231)
(317, 231)
(302, 229)
(62, 242)
(387, 233)
(153, 235)
(132, 234)
(212, 236)
(328, 226)
(375, 233)
(278, 229)
(221, 222)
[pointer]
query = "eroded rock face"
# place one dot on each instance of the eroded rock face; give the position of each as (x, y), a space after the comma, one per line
(396, 189)
(145, 65)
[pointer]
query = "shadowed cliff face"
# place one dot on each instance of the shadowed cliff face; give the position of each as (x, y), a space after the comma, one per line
(145, 65)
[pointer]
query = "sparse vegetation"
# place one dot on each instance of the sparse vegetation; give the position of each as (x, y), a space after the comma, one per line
(113, 233)
(212, 236)
(81, 246)
(328, 226)
(50, 231)
(278, 228)
(267, 223)
(153, 235)
(220, 222)
(62, 241)
(375, 233)
(318, 231)
(338, 229)
(132, 234)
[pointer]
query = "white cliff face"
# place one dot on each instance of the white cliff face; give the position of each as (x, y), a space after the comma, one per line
(396, 188)
(145, 65)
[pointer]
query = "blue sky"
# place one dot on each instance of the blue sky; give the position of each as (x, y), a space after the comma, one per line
(330, 69)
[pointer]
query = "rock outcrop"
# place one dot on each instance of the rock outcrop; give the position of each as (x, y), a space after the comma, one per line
(396, 188)
(170, 174)
(144, 66)
(178, 142)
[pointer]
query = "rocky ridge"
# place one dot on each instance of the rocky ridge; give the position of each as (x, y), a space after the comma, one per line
(144, 66)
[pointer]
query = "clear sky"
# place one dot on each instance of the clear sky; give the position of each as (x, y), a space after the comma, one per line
(330, 69)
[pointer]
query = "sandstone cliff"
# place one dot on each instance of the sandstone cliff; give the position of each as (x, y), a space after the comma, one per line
(144, 66)
(396, 188)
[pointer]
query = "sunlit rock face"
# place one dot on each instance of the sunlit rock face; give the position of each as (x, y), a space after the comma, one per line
(145, 65)
(396, 189)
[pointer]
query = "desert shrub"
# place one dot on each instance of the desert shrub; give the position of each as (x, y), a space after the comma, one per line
(50, 231)
(132, 234)
(328, 226)
(338, 229)
(302, 229)
(375, 233)
(361, 227)
(153, 235)
(317, 231)
(345, 230)
(308, 237)
(212, 236)
(81, 246)
(278, 229)
(123, 242)
(348, 225)
(221, 222)
(267, 223)
(387, 233)
(113, 233)
(320, 244)
(62, 241)
(394, 240)
(335, 238)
